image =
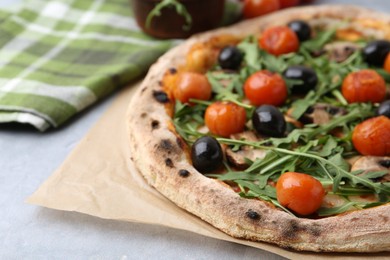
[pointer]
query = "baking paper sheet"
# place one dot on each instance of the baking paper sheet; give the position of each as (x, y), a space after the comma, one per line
(98, 179)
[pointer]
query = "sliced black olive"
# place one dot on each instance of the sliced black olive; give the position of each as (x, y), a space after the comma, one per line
(384, 109)
(230, 58)
(206, 154)
(301, 28)
(306, 75)
(268, 120)
(375, 52)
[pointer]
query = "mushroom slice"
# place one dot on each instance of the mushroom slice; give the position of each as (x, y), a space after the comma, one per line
(238, 158)
(321, 114)
(373, 164)
(340, 51)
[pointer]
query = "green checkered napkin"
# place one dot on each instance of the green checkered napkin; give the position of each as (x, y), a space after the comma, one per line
(59, 56)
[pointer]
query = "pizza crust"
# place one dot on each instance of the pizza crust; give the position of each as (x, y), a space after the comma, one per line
(161, 156)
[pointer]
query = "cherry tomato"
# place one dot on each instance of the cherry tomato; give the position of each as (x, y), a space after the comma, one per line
(254, 8)
(225, 118)
(265, 88)
(288, 3)
(372, 136)
(364, 86)
(279, 40)
(192, 85)
(299, 192)
(386, 66)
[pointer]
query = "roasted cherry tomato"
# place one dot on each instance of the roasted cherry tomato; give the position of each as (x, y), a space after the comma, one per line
(386, 66)
(279, 40)
(225, 118)
(299, 192)
(192, 85)
(265, 87)
(206, 154)
(288, 3)
(364, 86)
(372, 136)
(254, 8)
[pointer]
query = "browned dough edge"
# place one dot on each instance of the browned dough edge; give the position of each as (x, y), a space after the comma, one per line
(157, 152)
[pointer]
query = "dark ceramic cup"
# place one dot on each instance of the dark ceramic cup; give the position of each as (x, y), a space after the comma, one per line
(205, 14)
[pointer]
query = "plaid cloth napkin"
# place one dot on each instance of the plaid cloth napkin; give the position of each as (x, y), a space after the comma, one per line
(59, 56)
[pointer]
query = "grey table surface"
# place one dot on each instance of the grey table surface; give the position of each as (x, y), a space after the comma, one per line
(28, 158)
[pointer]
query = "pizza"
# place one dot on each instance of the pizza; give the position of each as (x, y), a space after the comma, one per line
(275, 129)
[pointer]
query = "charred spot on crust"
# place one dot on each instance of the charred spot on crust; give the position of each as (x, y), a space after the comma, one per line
(169, 163)
(143, 115)
(155, 124)
(173, 71)
(184, 173)
(166, 145)
(291, 229)
(385, 218)
(143, 90)
(161, 96)
(314, 230)
(253, 214)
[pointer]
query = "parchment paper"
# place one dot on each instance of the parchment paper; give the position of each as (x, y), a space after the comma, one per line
(98, 179)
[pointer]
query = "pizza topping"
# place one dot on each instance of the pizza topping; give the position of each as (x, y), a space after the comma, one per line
(384, 109)
(265, 87)
(253, 214)
(373, 166)
(192, 85)
(305, 75)
(364, 86)
(299, 192)
(372, 136)
(230, 58)
(301, 28)
(386, 66)
(279, 40)
(376, 51)
(225, 118)
(321, 147)
(184, 173)
(340, 51)
(206, 154)
(268, 120)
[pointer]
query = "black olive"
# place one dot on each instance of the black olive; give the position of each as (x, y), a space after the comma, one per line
(385, 163)
(268, 120)
(230, 58)
(206, 154)
(384, 109)
(301, 28)
(375, 52)
(306, 75)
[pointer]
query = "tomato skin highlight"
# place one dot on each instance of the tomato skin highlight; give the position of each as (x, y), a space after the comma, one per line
(372, 136)
(265, 88)
(225, 118)
(279, 40)
(364, 86)
(299, 192)
(386, 65)
(192, 85)
(255, 8)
